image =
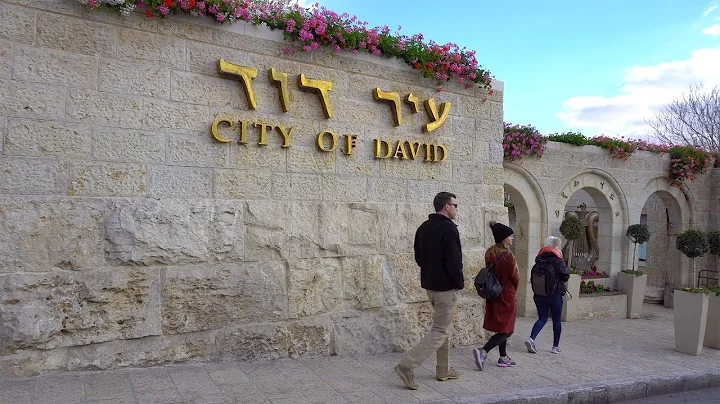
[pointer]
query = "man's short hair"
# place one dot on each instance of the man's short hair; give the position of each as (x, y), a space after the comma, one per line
(442, 199)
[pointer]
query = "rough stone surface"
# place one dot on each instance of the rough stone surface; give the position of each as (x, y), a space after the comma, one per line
(172, 232)
(199, 298)
(37, 234)
(77, 308)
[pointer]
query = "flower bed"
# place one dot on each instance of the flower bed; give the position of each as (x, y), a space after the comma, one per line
(685, 161)
(316, 28)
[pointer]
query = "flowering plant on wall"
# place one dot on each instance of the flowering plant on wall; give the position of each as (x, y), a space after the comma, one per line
(685, 162)
(522, 140)
(317, 28)
(619, 148)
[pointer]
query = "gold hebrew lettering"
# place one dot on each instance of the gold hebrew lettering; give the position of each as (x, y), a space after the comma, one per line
(280, 80)
(214, 129)
(437, 120)
(321, 87)
(247, 74)
(414, 102)
(393, 97)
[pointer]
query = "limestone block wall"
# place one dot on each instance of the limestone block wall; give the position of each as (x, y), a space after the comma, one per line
(541, 190)
(129, 236)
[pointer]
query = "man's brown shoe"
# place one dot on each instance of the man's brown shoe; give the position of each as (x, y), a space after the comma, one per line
(450, 375)
(407, 377)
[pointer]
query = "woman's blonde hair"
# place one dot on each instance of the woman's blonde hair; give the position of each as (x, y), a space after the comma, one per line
(498, 248)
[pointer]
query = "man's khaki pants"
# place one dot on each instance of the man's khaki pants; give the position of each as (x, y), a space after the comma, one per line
(444, 305)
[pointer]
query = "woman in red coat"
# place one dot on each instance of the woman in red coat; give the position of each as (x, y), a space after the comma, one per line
(500, 312)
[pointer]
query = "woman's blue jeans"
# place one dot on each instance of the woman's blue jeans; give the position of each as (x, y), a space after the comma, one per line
(554, 305)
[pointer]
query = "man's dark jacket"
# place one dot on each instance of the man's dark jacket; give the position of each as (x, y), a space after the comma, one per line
(438, 253)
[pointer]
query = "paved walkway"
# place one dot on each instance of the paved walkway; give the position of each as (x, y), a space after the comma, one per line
(635, 356)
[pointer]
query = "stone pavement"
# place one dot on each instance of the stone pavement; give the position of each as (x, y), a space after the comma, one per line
(603, 360)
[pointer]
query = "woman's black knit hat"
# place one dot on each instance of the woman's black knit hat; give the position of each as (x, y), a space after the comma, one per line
(500, 231)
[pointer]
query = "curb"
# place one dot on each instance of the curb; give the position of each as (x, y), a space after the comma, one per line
(605, 391)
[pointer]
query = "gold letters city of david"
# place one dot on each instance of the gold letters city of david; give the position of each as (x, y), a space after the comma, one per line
(327, 140)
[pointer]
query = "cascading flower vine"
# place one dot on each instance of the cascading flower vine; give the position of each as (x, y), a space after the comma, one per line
(522, 140)
(317, 28)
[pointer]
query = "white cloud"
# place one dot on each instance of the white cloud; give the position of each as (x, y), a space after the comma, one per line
(710, 9)
(713, 30)
(646, 89)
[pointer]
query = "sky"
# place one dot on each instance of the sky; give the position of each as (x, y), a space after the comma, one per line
(588, 66)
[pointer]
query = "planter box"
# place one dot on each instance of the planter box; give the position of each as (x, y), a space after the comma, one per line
(712, 328)
(570, 306)
(634, 287)
(602, 306)
(690, 311)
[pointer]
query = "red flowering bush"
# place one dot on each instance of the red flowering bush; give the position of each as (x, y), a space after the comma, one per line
(592, 288)
(685, 162)
(522, 140)
(619, 148)
(317, 28)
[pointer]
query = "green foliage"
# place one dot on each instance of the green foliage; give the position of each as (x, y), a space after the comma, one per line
(693, 243)
(638, 233)
(574, 138)
(633, 272)
(694, 290)
(572, 229)
(685, 162)
(714, 240)
(592, 288)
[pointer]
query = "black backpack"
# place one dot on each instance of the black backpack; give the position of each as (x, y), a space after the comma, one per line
(486, 283)
(543, 278)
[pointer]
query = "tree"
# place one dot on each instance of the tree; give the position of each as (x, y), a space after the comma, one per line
(638, 233)
(572, 230)
(693, 244)
(693, 120)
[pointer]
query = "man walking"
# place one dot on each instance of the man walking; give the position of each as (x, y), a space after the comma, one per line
(438, 253)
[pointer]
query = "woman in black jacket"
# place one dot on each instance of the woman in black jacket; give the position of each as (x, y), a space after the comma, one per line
(553, 303)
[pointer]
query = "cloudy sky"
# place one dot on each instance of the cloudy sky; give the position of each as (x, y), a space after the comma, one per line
(589, 66)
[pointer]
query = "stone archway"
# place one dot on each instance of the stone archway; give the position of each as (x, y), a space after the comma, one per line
(678, 216)
(530, 227)
(611, 203)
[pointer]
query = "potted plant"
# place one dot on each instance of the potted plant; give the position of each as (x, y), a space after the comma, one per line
(572, 230)
(633, 282)
(570, 302)
(693, 244)
(712, 328)
(691, 310)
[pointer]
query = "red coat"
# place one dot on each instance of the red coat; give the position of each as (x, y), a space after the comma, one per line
(500, 313)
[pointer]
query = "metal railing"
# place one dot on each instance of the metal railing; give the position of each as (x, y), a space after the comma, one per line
(710, 278)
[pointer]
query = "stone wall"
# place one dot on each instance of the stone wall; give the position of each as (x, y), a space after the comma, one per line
(129, 236)
(542, 189)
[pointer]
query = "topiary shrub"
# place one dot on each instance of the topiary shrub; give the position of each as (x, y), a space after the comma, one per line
(693, 244)
(638, 233)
